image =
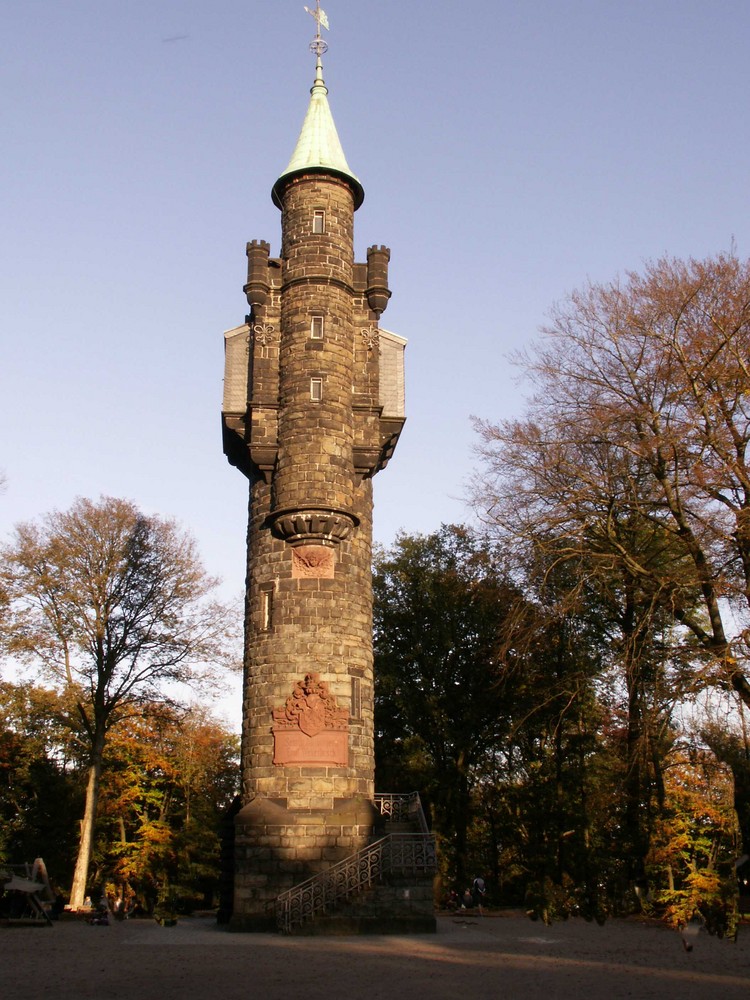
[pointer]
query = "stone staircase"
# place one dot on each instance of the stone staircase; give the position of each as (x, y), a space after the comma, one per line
(386, 888)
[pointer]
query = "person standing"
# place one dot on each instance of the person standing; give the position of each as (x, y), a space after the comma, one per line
(477, 892)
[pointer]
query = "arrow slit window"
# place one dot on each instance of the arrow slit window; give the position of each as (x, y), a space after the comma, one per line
(266, 608)
(356, 710)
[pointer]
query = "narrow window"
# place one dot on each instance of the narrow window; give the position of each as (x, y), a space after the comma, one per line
(316, 389)
(266, 609)
(316, 328)
(356, 698)
(319, 222)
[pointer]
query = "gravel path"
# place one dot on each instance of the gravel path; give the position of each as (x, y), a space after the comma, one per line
(473, 958)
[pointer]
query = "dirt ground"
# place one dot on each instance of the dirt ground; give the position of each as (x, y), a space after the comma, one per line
(469, 957)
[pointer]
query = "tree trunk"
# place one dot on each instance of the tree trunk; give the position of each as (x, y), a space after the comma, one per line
(635, 831)
(461, 818)
(80, 876)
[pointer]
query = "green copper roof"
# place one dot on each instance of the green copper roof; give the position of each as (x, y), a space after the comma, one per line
(318, 148)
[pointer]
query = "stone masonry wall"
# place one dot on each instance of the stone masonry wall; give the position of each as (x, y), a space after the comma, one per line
(315, 440)
(322, 625)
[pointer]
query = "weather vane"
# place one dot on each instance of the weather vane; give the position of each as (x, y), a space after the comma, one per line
(318, 46)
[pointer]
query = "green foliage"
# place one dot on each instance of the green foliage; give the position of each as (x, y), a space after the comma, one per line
(443, 608)
(533, 711)
(547, 801)
(40, 791)
(731, 748)
(168, 777)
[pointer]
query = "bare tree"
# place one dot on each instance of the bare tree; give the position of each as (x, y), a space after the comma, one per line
(635, 445)
(112, 605)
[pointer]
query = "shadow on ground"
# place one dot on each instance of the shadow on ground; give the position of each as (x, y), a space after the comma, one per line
(468, 957)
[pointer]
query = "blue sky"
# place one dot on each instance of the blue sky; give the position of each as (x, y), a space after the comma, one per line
(509, 152)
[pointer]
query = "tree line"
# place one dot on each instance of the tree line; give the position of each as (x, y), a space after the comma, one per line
(566, 682)
(570, 688)
(103, 768)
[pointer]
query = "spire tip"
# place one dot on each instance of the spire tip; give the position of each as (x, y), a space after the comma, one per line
(318, 46)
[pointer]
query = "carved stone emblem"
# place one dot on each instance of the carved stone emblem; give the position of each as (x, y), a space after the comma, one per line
(311, 728)
(314, 719)
(315, 561)
(265, 333)
(311, 707)
(370, 338)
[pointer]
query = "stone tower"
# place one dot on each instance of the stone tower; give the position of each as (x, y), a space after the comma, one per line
(313, 408)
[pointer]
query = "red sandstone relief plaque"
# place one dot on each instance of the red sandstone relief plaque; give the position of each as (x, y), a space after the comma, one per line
(311, 728)
(313, 561)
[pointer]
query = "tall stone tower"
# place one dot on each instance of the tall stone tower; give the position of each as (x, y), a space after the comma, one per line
(313, 408)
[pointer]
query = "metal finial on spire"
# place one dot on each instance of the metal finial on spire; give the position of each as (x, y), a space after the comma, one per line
(318, 46)
(318, 149)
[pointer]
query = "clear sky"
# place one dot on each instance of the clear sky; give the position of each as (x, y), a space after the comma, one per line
(509, 151)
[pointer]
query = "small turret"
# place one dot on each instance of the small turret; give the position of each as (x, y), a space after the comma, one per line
(257, 287)
(378, 292)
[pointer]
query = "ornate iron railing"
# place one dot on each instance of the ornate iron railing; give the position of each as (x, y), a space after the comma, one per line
(402, 853)
(402, 808)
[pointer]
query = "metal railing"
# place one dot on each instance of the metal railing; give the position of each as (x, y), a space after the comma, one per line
(402, 808)
(396, 853)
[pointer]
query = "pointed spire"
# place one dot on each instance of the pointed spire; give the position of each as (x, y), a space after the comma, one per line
(318, 148)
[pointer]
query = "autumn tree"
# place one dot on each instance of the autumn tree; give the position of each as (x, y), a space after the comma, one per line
(692, 859)
(638, 432)
(112, 605)
(171, 775)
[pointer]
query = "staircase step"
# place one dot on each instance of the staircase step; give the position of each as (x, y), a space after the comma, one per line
(395, 906)
(341, 900)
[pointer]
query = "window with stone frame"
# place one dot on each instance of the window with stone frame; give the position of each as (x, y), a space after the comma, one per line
(319, 222)
(356, 707)
(317, 327)
(266, 609)
(316, 389)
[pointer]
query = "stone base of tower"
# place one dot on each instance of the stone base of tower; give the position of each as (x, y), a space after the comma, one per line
(276, 848)
(398, 905)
